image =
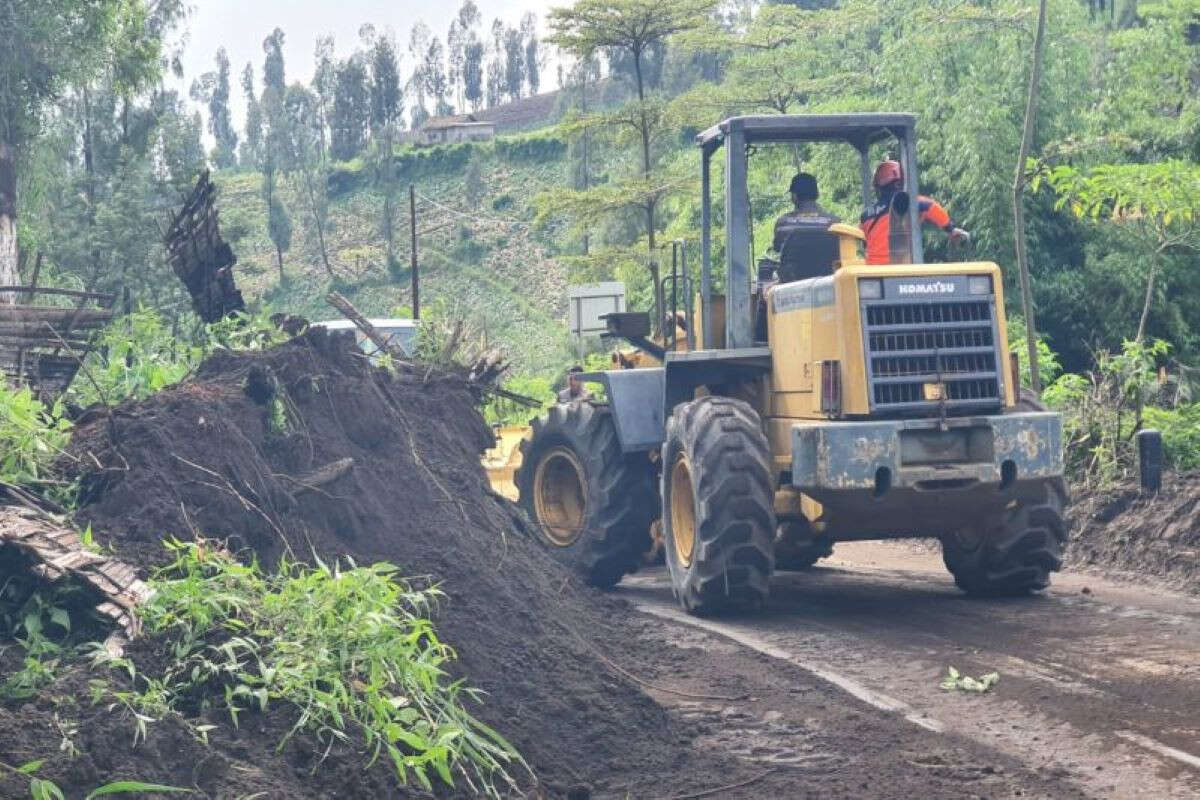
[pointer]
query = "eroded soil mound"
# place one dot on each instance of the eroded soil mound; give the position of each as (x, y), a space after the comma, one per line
(223, 456)
(1129, 531)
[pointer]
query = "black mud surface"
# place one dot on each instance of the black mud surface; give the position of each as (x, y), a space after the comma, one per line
(1127, 531)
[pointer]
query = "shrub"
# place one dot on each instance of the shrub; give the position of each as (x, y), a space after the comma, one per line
(351, 650)
(1180, 429)
(1049, 367)
(32, 436)
(1125, 392)
(137, 355)
(536, 147)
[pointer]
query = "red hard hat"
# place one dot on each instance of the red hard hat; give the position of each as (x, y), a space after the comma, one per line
(888, 172)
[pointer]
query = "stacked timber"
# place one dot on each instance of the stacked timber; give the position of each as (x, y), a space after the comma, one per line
(56, 553)
(42, 346)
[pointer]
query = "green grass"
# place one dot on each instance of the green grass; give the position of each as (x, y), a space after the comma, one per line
(349, 650)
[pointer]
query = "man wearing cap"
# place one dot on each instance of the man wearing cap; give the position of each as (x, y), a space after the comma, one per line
(876, 222)
(806, 247)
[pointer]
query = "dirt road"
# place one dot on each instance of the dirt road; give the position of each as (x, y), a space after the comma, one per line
(1099, 693)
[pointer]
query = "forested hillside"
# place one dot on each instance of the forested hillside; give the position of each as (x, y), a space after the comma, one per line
(479, 258)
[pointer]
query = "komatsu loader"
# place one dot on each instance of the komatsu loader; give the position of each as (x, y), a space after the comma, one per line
(876, 402)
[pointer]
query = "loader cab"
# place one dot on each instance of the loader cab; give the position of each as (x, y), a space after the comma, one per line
(736, 137)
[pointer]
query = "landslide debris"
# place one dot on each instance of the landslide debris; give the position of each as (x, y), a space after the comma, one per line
(230, 453)
(1129, 531)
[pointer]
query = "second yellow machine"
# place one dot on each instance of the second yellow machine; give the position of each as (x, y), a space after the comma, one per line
(883, 403)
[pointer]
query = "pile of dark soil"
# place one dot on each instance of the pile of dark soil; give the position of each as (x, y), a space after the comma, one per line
(219, 456)
(1129, 531)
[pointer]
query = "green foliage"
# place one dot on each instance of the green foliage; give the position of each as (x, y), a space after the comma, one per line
(350, 649)
(538, 147)
(1168, 191)
(32, 436)
(134, 787)
(38, 621)
(439, 332)
(279, 228)
(408, 164)
(43, 789)
(138, 355)
(1126, 392)
(49, 44)
(1048, 363)
(499, 411)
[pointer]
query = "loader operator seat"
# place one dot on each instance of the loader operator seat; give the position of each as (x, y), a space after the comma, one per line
(808, 252)
(802, 239)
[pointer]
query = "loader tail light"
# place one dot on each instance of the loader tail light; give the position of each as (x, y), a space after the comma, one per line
(831, 388)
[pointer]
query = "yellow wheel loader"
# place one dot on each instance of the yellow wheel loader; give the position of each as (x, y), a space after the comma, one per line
(869, 402)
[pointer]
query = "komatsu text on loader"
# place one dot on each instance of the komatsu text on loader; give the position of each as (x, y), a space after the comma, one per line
(882, 403)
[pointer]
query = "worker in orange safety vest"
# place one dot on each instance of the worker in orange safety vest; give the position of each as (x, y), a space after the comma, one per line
(876, 221)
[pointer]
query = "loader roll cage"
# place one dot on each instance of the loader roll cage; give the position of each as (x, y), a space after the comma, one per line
(736, 134)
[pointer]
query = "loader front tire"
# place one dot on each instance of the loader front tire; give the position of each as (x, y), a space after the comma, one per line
(592, 504)
(718, 514)
(1011, 553)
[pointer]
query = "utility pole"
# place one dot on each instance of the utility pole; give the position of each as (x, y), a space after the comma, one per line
(412, 221)
(1031, 109)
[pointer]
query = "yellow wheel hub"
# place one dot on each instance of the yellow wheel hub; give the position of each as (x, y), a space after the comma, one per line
(560, 496)
(683, 511)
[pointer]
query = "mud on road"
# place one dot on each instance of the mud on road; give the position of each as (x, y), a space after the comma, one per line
(1098, 694)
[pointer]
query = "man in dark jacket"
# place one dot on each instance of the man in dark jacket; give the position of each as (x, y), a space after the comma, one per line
(805, 246)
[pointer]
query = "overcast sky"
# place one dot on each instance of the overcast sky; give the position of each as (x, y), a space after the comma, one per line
(241, 25)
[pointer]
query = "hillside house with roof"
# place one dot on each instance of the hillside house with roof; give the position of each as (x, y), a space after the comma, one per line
(459, 128)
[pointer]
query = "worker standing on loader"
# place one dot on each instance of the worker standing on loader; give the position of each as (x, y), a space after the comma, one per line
(876, 222)
(574, 392)
(802, 239)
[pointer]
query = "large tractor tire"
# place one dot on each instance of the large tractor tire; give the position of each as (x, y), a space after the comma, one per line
(1013, 552)
(718, 514)
(592, 504)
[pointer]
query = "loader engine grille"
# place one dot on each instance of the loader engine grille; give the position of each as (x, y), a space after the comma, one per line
(923, 354)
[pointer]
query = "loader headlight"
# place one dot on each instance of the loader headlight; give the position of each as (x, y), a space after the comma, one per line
(979, 284)
(870, 289)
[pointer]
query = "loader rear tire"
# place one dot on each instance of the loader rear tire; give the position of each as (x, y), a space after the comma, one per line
(591, 503)
(1012, 553)
(718, 514)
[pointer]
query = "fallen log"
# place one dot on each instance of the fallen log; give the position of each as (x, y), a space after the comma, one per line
(399, 357)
